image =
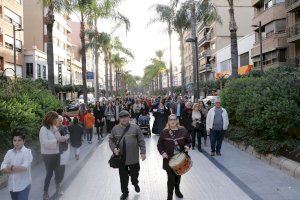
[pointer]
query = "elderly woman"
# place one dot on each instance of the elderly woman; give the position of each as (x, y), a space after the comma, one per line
(160, 113)
(173, 139)
(198, 126)
(110, 114)
(49, 139)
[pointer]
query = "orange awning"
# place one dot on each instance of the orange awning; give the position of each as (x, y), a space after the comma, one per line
(241, 71)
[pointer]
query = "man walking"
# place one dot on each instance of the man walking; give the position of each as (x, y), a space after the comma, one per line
(130, 144)
(216, 124)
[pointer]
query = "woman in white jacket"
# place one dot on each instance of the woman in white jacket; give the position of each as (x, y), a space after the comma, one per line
(49, 139)
(216, 124)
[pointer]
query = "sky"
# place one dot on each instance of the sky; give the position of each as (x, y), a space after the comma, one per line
(142, 38)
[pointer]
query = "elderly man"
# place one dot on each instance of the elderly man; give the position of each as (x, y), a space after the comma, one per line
(216, 124)
(130, 144)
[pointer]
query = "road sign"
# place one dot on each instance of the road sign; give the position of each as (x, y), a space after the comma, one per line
(90, 75)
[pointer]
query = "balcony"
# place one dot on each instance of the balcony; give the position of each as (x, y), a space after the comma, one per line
(293, 32)
(271, 43)
(205, 41)
(273, 13)
(205, 53)
(202, 27)
(292, 5)
(205, 68)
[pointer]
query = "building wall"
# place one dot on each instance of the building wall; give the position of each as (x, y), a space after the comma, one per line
(38, 60)
(11, 10)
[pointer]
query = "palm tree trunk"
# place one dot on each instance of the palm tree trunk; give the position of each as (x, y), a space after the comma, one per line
(110, 75)
(160, 81)
(233, 38)
(182, 63)
(50, 60)
(83, 57)
(171, 65)
(96, 53)
(106, 73)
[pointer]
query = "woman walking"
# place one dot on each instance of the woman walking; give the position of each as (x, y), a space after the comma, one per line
(161, 113)
(198, 126)
(187, 117)
(173, 139)
(110, 116)
(82, 112)
(99, 118)
(204, 112)
(49, 138)
(76, 133)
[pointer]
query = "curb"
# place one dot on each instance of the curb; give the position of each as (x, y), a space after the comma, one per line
(284, 164)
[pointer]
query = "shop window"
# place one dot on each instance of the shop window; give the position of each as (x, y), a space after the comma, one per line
(29, 70)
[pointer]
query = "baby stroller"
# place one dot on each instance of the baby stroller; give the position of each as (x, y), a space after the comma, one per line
(144, 124)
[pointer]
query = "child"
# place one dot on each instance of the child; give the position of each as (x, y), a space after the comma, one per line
(89, 121)
(16, 164)
(144, 119)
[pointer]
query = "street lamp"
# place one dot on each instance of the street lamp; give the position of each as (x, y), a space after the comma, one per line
(195, 41)
(3, 73)
(260, 48)
(15, 51)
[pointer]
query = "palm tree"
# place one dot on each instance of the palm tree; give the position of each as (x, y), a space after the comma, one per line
(118, 62)
(166, 14)
(53, 6)
(83, 8)
(104, 9)
(233, 37)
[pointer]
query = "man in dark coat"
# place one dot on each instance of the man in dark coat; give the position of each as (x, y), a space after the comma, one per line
(187, 117)
(76, 132)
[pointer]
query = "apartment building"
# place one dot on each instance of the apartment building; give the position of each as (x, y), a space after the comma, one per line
(293, 31)
(11, 14)
(188, 61)
(35, 35)
(214, 36)
(272, 16)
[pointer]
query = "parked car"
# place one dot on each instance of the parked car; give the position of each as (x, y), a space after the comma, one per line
(211, 99)
(73, 106)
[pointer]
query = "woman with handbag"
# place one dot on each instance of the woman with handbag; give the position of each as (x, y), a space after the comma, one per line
(49, 139)
(99, 118)
(198, 126)
(110, 116)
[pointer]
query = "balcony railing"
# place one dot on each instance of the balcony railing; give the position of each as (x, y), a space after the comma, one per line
(293, 32)
(205, 40)
(205, 53)
(292, 5)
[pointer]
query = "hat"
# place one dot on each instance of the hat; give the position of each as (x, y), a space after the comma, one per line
(124, 113)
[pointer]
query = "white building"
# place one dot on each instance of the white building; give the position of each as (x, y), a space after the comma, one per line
(223, 56)
(38, 63)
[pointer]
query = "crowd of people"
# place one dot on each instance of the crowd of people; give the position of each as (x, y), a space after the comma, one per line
(186, 123)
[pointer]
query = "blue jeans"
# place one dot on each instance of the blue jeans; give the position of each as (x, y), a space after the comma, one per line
(22, 195)
(216, 139)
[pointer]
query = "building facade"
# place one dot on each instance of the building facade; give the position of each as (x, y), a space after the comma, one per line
(11, 15)
(35, 34)
(293, 31)
(245, 63)
(36, 61)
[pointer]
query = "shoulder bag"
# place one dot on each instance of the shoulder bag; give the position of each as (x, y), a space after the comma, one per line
(115, 161)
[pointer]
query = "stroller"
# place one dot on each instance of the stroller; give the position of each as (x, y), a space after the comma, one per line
(144, 124)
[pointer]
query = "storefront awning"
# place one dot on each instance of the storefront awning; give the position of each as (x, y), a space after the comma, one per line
(241, 71)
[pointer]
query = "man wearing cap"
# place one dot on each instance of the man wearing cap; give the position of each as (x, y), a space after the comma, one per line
(216, 124)
(131, 145)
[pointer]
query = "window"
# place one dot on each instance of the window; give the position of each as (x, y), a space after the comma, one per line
(29, 70)
(213, 46)
(282, 55)
(38, 70)
(268, 4)
(12, 17)
(44, 72)
(244, 59)
(225, 65)
(9, 41)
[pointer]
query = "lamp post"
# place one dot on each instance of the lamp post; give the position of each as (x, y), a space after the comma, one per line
(195, 41)
(15, 51)
(260, 47)
(3, 73)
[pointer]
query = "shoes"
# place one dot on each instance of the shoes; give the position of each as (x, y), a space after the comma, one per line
(218, 154)
(46, 196)
(90, 142)
(178, 193)
(199, 149)
(58, 189)
(212, 153)
(77, 157)
(137, 188)
(193, 148)
(123, 196)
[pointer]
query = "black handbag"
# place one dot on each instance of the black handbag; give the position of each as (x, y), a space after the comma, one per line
(199, 125)
(116, 161)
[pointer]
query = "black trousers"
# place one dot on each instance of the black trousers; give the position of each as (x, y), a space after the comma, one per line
(129, 170)
(99, 130)
(196, 133)
(173, 181)
(52, 163)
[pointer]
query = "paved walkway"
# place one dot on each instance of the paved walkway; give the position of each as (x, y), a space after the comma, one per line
(97, 181)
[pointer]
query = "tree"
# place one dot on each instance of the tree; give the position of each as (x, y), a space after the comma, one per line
(118, 62)
(166, 14)
(104, 9)
(83, 8)
(53, 6)
(233, 37)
